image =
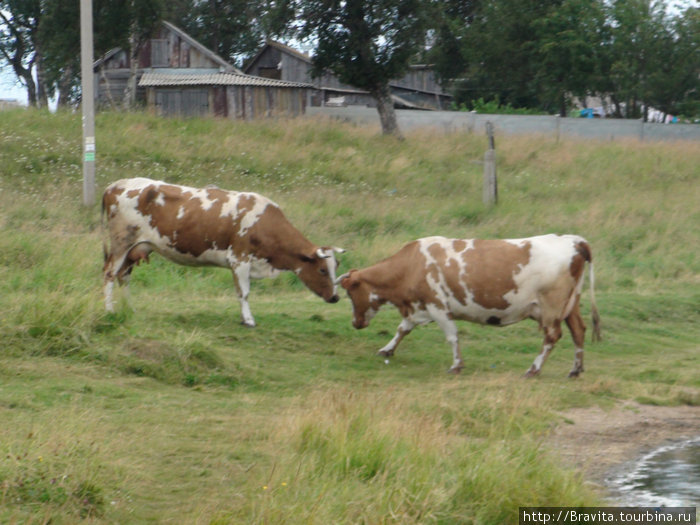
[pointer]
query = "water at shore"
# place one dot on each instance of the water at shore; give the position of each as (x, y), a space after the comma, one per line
(668, 476)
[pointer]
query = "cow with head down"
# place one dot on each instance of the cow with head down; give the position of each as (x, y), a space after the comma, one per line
(245, 232)
(494, 282)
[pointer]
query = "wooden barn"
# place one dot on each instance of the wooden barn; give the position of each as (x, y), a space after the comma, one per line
(418, 89)
(176, 75)
(170, 48)
(232, 95)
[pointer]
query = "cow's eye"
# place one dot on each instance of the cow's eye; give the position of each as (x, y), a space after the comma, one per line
(323, 271)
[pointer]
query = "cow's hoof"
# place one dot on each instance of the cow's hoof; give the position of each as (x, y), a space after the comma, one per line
(385, 353)
(249, 324)
(454, 370)
(533, 372)
(575, 373)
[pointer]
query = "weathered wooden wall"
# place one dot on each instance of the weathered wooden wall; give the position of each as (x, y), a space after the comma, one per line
(252, 102)
(236, 102)
(166, 49)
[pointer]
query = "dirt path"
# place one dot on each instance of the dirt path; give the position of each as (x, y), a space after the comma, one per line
(602, 442)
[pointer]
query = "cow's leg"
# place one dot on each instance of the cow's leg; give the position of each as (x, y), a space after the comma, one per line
(552, 334)
(108, 289)
(241, 278)
(578, 332)
(403, 330)
(449, 328)
(124, 283)
(110, 274)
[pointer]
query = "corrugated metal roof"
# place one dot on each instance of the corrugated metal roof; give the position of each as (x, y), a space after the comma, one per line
(213, 79)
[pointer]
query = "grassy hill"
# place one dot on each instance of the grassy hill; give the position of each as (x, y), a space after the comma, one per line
(171, 411)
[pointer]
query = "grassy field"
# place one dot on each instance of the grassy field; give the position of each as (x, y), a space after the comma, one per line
(172, 412)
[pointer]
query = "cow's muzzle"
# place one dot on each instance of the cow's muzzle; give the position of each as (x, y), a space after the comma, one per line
(334, 299)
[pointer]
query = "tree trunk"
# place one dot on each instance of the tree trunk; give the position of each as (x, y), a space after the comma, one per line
(63, 88)
(25, 75)
(107, 88)
(28, 79)
(42, 98)
(385, 107)
(562, 105)
(130, 89)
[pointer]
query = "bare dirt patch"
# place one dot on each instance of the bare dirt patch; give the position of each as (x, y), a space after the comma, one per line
(602, 442)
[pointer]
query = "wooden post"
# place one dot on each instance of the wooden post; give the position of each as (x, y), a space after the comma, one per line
(490, 195)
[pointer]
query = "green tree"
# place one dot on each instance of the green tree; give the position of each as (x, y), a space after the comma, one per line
(20, 46)
(449, 52)
(566, 52)
(673, 85)
(42, 37)
(234, 29)
(636, 27)
(365, 43)
(495, 49)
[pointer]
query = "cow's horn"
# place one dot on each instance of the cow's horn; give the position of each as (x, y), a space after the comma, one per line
(321, 254)
(339, 279)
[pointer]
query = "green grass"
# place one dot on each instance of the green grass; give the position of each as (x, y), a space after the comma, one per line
(173, 411)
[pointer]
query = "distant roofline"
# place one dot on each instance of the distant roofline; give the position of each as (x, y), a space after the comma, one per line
(282, 47)
(169, 79)
(191, 41)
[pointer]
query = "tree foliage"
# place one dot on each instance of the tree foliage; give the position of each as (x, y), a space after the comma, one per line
(234, 29)
(365, 43)
(19, 28)
(539, 54)
(43, 37)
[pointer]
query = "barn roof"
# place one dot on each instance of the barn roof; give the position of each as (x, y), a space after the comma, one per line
(187, 38)
(162, 79)
(204, 50)
(278, 45)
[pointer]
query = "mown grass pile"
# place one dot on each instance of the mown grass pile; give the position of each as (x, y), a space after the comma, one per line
(172, 411)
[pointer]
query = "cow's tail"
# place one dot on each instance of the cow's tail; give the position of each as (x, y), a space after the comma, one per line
(585, 251)
(103, 231)
(595, 317)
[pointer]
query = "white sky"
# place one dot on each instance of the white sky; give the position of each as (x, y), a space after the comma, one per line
(9, 87)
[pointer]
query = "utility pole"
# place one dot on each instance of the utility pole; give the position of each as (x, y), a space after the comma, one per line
(87, 102)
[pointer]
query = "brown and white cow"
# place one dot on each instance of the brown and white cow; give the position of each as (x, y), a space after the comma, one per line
(495, 282)
(245, 232)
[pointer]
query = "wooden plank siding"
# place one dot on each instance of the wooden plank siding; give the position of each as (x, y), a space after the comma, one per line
(254, 102)
(235, 102)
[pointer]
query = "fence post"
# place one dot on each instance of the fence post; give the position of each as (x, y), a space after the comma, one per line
(490, 195)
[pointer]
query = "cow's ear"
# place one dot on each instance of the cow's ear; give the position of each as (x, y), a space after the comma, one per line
(350, 280)
(307, 258)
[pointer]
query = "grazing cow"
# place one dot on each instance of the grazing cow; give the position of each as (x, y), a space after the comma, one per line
(245, 232)
(496, 282)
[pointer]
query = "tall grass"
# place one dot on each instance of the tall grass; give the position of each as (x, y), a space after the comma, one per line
(356, 456)
(169, 410)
